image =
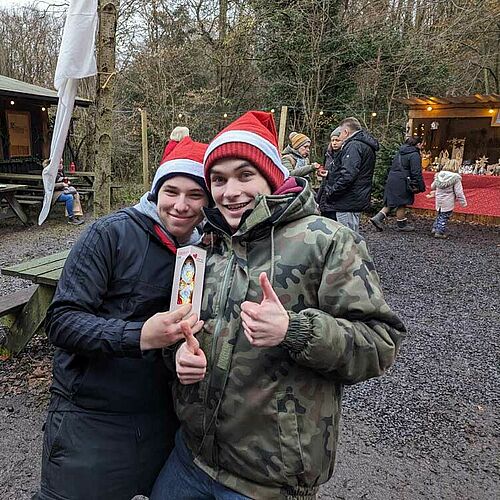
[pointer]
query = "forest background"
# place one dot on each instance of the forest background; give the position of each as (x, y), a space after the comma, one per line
(201, 63)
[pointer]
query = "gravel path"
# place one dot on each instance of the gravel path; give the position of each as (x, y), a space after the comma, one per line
(428, 429)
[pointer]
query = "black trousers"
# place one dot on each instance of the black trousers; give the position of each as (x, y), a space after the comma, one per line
(94, 456)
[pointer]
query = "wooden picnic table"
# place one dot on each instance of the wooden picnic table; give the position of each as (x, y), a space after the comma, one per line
(87, 176)
(35, 178)
(45, 273)
(5, 176)
(8, 193)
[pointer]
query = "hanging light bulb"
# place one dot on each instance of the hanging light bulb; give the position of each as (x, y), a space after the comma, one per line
(321, 113)
(374, 114)
(272, 110)
(225, 115)
(12, 103)
(180, 115)
(43, 108)
(429, 108)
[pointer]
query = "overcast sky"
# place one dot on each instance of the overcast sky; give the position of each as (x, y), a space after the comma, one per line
(41, 4)
(57, 7)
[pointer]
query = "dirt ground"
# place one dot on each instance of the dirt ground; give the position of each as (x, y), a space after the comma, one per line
(429, 429)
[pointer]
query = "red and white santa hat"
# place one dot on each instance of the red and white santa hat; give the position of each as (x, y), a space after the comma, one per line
(252, 137)
(185, 159)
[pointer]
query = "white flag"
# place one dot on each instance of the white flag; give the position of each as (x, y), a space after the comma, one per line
(76, 60)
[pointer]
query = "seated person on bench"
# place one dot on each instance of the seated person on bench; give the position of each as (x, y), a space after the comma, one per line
(67, 194)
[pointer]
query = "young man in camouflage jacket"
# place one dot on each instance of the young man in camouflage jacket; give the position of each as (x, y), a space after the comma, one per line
(293, 310)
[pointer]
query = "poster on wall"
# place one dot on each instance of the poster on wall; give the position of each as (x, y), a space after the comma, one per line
(19, 129)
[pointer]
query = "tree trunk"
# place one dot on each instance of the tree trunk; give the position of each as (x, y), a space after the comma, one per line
(221, 77)
(106, 46)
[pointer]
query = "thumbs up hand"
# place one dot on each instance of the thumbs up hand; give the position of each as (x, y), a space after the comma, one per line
(265, 324)
(192, 343)
(190, 360)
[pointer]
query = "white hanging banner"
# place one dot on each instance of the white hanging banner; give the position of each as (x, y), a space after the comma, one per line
(76, 60)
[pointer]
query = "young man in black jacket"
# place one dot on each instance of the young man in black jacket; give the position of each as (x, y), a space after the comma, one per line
(349, 187)
(110, 424)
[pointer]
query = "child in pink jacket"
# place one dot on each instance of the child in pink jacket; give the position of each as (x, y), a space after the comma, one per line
(447, 188)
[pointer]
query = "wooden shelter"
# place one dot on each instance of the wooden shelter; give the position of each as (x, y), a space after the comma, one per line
(475, 118)
(24, 124)
(464, 130)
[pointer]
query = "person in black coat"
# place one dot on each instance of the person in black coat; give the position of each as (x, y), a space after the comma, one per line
(331, 156)
(348, 192)
(110, 424)
(406, 170)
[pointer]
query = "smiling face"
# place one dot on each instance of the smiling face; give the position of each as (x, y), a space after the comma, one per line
(180, 201)
(234, 184)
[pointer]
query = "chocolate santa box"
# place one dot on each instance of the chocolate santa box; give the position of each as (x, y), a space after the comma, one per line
(189, 274)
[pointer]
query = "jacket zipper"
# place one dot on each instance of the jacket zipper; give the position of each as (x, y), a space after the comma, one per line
(218, 326)
(221, 303)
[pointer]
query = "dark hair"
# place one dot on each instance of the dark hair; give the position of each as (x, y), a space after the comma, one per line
(413, 141)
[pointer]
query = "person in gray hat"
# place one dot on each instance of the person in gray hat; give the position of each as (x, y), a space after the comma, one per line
(331, 154)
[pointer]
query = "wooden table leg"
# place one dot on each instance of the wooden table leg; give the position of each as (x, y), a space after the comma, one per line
(29, 319)
(16, 208)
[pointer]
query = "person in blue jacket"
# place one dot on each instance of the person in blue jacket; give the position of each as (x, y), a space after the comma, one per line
(110, 424)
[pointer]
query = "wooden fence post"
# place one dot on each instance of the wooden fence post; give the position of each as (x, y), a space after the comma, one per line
(145, 157)
(282, 128)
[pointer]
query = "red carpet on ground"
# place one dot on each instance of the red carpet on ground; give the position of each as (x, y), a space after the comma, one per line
(482, 193)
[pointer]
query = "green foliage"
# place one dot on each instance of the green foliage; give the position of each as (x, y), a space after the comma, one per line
(326, 59)
(382, 166)
(128, 195)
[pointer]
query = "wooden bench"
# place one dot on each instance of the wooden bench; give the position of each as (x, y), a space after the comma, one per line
(12, 303)
(28, 318)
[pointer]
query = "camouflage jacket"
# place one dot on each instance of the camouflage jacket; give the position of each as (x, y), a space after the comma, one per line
(265, 421)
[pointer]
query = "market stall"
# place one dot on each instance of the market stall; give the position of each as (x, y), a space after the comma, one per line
(482, 193)
(463, 134)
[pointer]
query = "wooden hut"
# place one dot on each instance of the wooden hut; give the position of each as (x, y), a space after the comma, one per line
(475, 118)
(24, 124)
(465, 130)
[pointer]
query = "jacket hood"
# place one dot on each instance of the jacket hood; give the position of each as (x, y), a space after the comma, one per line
(366, 137)
(406, 149)
(290, 151)
(148, 224)
(446, 179)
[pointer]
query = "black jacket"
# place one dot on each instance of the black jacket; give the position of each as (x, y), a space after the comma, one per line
(407, 163)
(117, 275)
(331, 157)
(351, 179)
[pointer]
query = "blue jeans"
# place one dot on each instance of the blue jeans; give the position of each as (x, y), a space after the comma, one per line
(181, 479)
(441, 221)
(68, 199)
(349, 219)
